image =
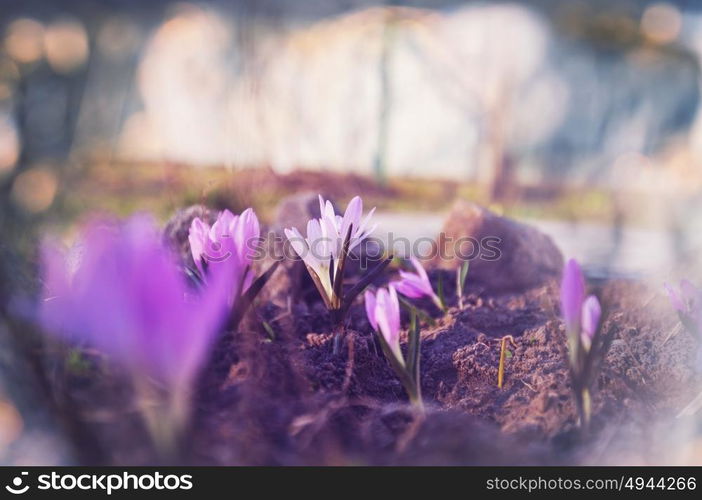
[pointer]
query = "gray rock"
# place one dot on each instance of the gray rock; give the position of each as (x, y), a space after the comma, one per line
(510, 256)
(296, 210)
(175, 234)
(289, 280)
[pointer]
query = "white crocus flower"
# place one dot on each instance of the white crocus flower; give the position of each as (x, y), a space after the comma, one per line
(325, 239)
(337, 226)
(315, 251)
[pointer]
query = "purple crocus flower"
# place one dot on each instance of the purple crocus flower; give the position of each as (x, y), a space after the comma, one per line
(126, 298)
(337, 226)
(416, 285)
(688, 303)
(591, 312)
(321, 249)
(572, 295)
(383, 311)
(675, 299)
(228, 246)
(580, 314)
(688, 300)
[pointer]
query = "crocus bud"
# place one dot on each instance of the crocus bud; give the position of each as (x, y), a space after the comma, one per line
(572, 293)
(383, 310)
(675, 300)
(416, 285)
(591, 312)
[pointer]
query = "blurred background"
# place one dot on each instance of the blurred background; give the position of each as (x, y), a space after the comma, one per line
(558, 112)
(581, 117)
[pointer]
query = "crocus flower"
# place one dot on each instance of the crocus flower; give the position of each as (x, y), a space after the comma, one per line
(416, 285)
(587, 343)
(688, 303)
(321, 249)
(591, 312)
(580, 314)
(688, 300)
(127, 299)
(383, 311)
(675, 299)
(352, 216)
(315, 251)
(572, 294)
(336, 226)
(226, 247)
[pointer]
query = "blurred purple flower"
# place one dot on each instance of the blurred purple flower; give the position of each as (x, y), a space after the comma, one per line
(228, 246)
(127, 299)
(572, 295)
(675, 299)
(383, 311)
(416, 285)
(688, 300)
(688, 303)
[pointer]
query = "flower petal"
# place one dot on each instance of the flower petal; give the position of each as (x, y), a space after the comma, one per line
(572, 293)
(591, 312)
(675, 300)
(387, 314)
(198, 238)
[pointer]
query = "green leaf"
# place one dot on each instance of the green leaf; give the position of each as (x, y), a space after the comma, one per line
(409, 379)
(362, 283)
(399, 368)
(440, 292)
(464, 272)
(269, 330)
(413, 349)
(246, 299)
(76, 363)
(462, 275)
(338, 285)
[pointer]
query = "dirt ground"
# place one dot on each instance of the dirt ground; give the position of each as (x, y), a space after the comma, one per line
(289, 399)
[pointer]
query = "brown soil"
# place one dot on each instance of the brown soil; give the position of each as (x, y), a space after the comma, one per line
(292, 400)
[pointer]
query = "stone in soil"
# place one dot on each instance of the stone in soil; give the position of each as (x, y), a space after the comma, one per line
(527, 257)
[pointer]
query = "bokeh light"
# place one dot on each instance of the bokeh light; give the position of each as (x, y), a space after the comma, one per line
(9, 144)
(118, 37)
(11, 424)
(34, 189)
(24, 40)
(661, 22)
(66, 45)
